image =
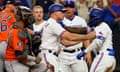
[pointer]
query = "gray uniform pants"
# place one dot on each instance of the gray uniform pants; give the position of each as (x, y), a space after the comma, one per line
(3, 46)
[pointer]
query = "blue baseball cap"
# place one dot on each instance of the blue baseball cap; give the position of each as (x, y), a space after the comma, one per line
(56, 7)
(69, 3)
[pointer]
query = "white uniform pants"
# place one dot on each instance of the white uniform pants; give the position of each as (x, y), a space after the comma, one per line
(103, 63)
(69, 62)
(52, 59)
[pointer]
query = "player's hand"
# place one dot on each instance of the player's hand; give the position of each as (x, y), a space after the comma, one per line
(81, 54)
(31, 31)
(88, 58)
(38, 60)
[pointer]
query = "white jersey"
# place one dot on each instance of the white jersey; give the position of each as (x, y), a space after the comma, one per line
(38, 28)
(51, 35)
(75, 22)
(103, 40)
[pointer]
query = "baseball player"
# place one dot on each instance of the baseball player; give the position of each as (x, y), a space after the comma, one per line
(102, 43)
(51, 35)
(67, 56)
(35, 30)
(17, 52)
(6, 20)
(36, 27)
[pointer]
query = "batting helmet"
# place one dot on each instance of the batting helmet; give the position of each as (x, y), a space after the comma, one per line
(96, 16)
(56, 7)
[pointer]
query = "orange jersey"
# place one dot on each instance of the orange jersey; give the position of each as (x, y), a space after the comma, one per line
(15, 43)
(6, 20)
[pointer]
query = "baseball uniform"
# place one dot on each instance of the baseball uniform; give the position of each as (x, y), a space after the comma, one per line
(6, 20)
(50, 42)
(104, 60)
(67, 56)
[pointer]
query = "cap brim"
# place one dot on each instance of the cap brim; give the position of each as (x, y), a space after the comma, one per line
(69, 6)
(63, 10)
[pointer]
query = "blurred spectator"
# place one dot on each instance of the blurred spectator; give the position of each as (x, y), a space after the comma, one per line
(45, 4)
(82, 7)
(99, 4)
(1, 3)
(112, 13)
(117, 2)
(60, 1)
(91, 3)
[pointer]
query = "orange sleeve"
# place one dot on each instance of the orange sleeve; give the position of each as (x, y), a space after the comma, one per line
(16, 42)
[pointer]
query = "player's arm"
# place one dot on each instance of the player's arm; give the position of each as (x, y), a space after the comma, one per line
(88, 56)
(78, 37)
(68, 43)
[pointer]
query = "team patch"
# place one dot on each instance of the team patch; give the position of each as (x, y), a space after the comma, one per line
(100, 37)
(19, 44)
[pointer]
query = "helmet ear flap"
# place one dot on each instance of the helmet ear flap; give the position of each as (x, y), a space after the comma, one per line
(18, 14)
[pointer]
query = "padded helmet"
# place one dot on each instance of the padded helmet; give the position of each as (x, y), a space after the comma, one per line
(96, 16)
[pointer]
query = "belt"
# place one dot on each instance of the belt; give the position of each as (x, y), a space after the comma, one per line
(72, 51)
(54, 53)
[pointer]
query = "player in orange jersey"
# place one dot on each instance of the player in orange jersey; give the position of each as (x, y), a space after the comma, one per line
(19, 45)
(6, 20)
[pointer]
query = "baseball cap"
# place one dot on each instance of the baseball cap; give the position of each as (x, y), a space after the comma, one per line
(11, 2)
(69, 3)
(56, 7)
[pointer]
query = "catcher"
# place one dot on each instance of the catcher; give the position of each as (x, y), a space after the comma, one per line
(17, 53)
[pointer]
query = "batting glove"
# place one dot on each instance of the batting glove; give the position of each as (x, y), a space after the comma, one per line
(81, 54)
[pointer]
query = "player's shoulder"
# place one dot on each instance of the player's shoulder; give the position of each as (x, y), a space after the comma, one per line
(79, 18)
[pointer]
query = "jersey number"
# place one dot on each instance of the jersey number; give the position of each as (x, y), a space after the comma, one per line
(3, 26)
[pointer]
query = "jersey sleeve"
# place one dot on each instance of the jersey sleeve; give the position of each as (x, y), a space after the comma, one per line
(57, 29)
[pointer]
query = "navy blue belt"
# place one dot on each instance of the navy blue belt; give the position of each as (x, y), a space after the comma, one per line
(71, 51)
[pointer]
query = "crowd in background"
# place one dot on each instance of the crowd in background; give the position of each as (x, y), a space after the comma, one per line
(112, 17)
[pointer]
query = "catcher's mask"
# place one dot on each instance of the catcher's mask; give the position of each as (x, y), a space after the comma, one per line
(23, 13)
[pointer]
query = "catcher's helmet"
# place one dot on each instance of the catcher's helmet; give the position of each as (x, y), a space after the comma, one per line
(96, 16)
(56, 7)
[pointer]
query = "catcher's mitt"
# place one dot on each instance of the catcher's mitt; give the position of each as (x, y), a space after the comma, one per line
(82, 30)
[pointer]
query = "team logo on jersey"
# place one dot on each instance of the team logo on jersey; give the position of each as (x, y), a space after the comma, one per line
(100, 33)
(19, 44)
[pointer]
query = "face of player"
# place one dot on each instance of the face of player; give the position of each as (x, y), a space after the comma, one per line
(70, 12)
(59, 15)
(38, 13)
(11, 7)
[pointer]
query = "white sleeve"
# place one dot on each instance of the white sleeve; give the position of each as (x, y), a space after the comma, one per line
(57, 29)
(96, 43)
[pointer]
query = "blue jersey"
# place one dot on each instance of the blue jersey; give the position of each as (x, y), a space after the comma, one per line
(109, 18)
